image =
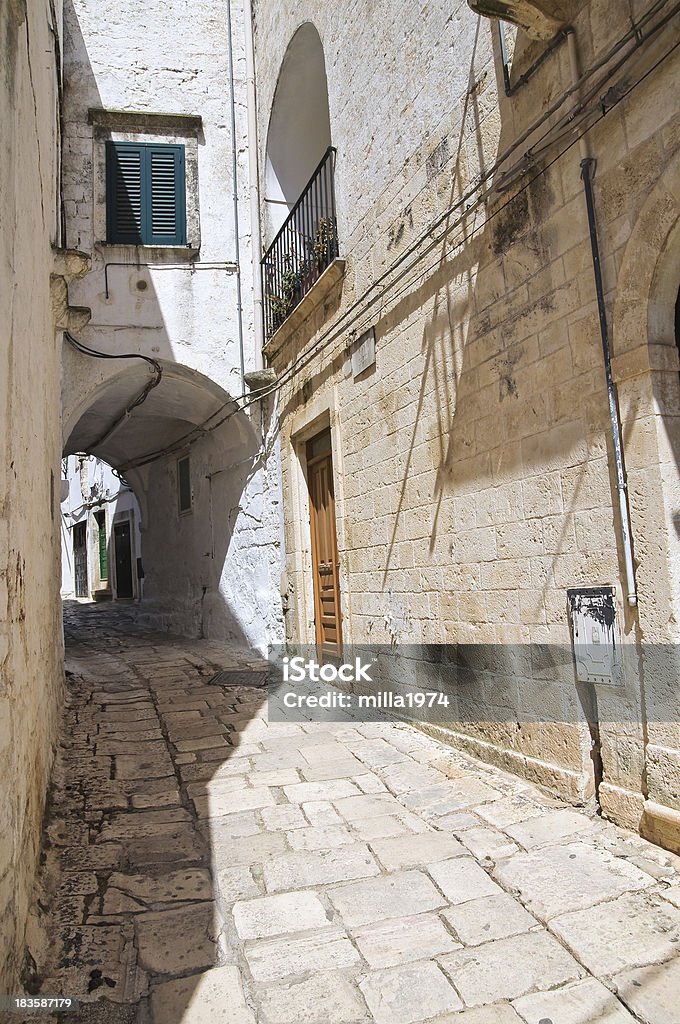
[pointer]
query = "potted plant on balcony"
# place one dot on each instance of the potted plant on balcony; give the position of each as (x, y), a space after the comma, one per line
(324, 243)
(289, 294)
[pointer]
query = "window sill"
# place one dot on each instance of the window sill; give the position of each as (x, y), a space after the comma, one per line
(316, 295)
(190, 251)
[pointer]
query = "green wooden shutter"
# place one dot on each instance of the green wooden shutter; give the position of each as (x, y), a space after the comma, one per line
(146, 195)
(103, 552)
(124, 192)
(166, 188)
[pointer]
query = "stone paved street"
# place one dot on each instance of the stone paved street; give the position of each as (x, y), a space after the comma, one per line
(205, 866)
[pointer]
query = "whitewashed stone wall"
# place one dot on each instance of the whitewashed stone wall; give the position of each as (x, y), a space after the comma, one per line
(473, 477)
(30, 628)
(178, 306)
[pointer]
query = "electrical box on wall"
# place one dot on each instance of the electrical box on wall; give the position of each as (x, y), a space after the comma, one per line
(597, 651)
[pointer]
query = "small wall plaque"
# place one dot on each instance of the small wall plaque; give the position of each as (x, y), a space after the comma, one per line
(363, 352)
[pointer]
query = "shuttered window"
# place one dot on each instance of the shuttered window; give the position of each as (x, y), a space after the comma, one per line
(145, 191)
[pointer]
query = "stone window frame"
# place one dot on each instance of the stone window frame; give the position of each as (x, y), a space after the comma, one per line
(162, 129)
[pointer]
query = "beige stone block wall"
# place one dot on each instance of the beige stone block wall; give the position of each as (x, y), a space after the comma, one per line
(476, 480)
(30, 625)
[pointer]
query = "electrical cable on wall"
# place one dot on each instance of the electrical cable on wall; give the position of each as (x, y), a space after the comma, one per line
(141, 397)
(96, 502)
(520, 168)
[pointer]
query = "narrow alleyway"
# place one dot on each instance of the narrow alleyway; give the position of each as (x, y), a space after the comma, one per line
(205, 866)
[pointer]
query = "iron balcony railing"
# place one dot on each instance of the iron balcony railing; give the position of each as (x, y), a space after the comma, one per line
(306, 244)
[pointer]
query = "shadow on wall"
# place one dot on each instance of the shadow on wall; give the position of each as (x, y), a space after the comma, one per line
(512, 413)
(512, 409)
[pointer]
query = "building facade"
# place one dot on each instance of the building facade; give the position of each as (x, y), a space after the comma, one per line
(496, 424)
(101, 544)
(126, 289)
(156, 195)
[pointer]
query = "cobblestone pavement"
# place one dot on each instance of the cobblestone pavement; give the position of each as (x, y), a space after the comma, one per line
(206, 866)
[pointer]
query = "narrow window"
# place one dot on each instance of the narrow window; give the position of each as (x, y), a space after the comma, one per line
(184, 484)
(100, 517)
(145, 194)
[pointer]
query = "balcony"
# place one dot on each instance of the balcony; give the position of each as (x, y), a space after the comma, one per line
(303, 249)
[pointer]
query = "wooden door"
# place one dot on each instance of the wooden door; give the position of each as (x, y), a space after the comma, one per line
(122, 544)
(325, 563)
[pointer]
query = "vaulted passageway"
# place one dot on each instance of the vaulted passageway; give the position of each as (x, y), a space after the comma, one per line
(200, 473)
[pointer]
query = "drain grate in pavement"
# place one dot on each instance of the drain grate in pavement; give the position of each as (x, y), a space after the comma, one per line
(238, 677)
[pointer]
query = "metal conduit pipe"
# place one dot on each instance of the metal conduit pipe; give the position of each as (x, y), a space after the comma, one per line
(234, 182)
(587, 168)
(254, 182)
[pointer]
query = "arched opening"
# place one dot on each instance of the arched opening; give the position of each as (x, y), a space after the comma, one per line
(195, 464)
(299, 126)
(300, 221)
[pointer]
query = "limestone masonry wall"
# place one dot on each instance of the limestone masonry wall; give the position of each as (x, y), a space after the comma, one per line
(473, 464)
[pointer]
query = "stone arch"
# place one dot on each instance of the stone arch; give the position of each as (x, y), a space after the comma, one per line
(299, 130)
(644, 311)
(184, 405)
(211, 571)
(645, 367)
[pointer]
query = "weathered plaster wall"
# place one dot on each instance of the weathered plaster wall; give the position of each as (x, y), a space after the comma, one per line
(215, 572)
(30, 627)
(176, 305)
(472, 464)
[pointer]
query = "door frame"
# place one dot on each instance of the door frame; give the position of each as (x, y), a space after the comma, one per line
(318, 415)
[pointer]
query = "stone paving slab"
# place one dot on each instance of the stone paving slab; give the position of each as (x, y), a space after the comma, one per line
(320, 951)
(215, 997)
(634, 930)
(405, 995)
(651, 993)
(585, 1002)
(508, 968)
(492, 917)
(399, 941)
(212, 866)
(393, 895)
(323, 997)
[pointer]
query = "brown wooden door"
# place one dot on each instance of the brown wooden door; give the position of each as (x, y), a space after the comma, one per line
(325, 564)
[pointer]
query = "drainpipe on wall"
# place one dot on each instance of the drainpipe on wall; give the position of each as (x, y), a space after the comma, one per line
(589, 698)
(234, 182)
(587, 168)
(254, 181)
